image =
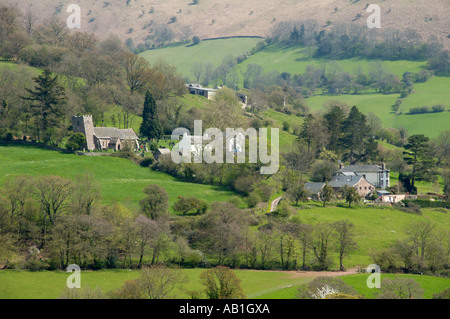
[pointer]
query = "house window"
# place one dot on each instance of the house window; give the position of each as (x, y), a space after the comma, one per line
(365, 187)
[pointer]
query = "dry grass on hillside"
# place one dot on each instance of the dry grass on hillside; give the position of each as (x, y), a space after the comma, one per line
(213, 18)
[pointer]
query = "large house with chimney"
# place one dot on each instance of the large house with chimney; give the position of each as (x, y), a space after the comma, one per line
(376, 175)
(104, 138)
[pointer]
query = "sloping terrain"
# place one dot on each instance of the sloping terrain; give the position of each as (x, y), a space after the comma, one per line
(213, 18)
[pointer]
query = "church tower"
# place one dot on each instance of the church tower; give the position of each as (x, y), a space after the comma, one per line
(84, 124)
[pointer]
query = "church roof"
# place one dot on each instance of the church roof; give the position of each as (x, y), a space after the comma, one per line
(111, 132)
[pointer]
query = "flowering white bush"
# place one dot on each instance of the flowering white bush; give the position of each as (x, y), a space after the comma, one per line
(323, 292)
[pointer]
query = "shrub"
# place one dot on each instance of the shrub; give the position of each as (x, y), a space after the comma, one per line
(253, 199)
(147, 162)
(76, 142)
(438, 108)
(196, 40)
(445, 294)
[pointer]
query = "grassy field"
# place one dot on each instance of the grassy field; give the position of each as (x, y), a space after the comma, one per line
(50, 284)
(294, 59)
(375, 228)
(429, 284)
(184, 56)
(15, 284)
(121, 180)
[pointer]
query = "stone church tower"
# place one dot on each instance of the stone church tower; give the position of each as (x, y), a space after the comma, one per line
(84, 124)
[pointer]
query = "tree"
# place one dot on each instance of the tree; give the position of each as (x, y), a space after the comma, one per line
(222, 283)
(400, 288)
(326, 194)
(76, 142)
(417, 153)
(151, 126)
(322, 170)
(156, 282)
(47, 100)
(137, 71)
(86, 193)
(297, 192)
(345, 239)
(184, 205)
(350, 195)
(52, 193)
(156, 202)
(356, 137)
(419, 235)
(322, 235)
(305, 236)
(145, 231)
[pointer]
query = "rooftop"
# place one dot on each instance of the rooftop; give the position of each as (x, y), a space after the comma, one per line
(361, 169)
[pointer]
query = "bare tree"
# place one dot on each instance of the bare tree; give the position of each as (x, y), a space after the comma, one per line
(29, 19)
(344, 234)
(158, 282)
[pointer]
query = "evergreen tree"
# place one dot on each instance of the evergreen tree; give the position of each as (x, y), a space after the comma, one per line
(333, 120)
(356, 138)
(151, 126)
(417, 153)
(47, 101)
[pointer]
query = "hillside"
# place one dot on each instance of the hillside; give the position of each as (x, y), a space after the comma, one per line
(295, 60)
(120, 180)
(208, 19)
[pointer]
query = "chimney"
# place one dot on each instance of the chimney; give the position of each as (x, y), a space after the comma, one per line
(383, 166)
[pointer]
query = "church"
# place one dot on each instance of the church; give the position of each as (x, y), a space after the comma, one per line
(104, 138)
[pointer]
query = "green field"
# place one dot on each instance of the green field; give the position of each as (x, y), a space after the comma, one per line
(375, 228)
(50, 284)
(184, 56)
(429, 284)
(294, 59)
(15, 284)
(121, 180)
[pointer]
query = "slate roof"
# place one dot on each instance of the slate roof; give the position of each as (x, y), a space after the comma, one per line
(314, 188)
(110, 132)
(361, 169)
(164, 151)
(341, 181)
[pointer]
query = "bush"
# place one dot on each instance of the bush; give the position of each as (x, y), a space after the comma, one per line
(196, 40)
(147, 162)
(36, 265)
(412, 208)
(438, 108)
(253, 199)
(445, 294)
(76, 142)
(422, 203)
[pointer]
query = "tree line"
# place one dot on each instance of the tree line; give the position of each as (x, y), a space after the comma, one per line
(82, 75)
(50, 222)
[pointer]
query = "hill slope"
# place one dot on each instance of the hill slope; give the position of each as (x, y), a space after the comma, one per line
(213, 18)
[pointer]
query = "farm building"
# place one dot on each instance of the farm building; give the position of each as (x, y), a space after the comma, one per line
(314, 189)
(197, 89)
(104, 138)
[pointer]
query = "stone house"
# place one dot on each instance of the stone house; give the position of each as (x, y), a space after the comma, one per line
(104, 138)
(376, 175)
(362, 186)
